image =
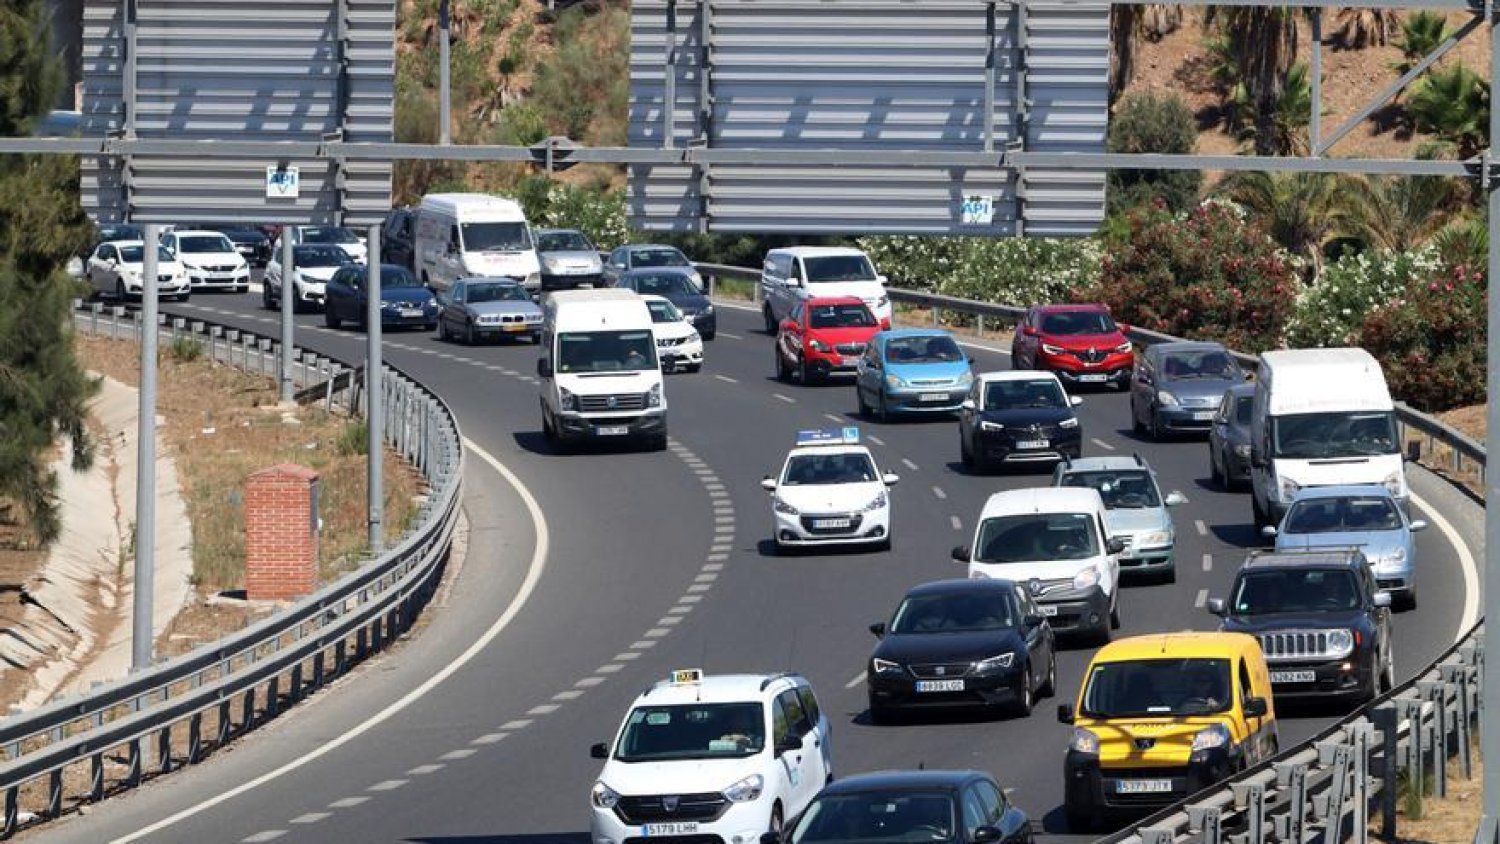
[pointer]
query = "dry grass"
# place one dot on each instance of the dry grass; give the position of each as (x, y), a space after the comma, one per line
(1439, 458)
(1450, 820)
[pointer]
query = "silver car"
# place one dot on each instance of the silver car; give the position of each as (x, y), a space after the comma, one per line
(568, 259)
(1365, 516)
(475, 309)
(1135, 510)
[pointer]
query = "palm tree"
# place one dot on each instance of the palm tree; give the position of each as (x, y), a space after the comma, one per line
(1421, 33)
(1402, 212)
(1454, 104)
(1359, 28)
(1304, 212)
(1262, 45)
(1464, 242)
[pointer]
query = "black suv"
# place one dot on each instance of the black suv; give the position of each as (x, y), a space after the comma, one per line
(1323, 623)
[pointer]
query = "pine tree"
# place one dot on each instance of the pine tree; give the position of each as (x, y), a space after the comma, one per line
(43, 390)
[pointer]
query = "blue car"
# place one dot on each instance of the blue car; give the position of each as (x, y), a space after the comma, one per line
(404, 301)
(912, 370)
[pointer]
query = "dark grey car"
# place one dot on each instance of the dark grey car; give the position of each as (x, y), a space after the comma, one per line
(476, 309)
(1176, 387)
(1229, 438)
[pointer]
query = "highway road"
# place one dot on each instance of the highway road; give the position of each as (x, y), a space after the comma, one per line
(589, 575)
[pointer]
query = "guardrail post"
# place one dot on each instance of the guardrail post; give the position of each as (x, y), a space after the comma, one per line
(1294, 777)
(1328, 807)
(1363, 747)
(1436, 692)
(1155, 835)
(54, 794)
(1385, 718)
(1209, 823)
(133, 763)
(96, 777)
(195, 738)
(12, 811)
(226, 723)
(247, 714)
(1254, 797)
(164, 749)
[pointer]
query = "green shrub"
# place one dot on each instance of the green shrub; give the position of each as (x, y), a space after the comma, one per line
(584, 86)
(1147, 123)
(1331, 311)
(354, 438)
(1012, 271)
(523, 124)
(1207, 274)
(1431, 340)
(185, 349)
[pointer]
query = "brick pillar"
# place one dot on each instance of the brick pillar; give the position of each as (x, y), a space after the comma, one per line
(281, 533)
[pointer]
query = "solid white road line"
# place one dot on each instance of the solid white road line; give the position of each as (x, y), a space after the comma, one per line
(1465, 561)
(534, 570)
(1102, 444)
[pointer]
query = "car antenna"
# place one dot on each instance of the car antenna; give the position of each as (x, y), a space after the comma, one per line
(922, 765)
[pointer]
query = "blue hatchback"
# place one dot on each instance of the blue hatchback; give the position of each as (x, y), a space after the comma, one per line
(912, 370)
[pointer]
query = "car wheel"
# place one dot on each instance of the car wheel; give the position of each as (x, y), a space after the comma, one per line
(1114, 617)
(1387, 674)
(549, 433)
(265, 294)
(1049, 687)
(765, 312)
(443, 330)
(1135, 421)
(965, 454)
(1170, 575)
(783, 372)
(183, 296)
(694, 367)
(709, 336)
(1261, 519)
(468, 335)
(120, 294)
(1103, 634)
(882, 412)
(1158, 433)
(1408, 599)
(330, 318)
(1022, 707)
(1078, 821)
(1215, 475)
(880, 715)
(778, 821)
(804, 372)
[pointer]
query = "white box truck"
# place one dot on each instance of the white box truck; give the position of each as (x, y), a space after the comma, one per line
(463, 235)
(601, 379)
(1321, 417)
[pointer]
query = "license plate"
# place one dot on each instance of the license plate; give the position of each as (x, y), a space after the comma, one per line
(849, 361)
(940, 685)
(831, 523)
(1143, 786)
(1094, 377)
(673, 828)
(513, 327)
(613, 430)
(934, 397)
(1047, 609)
(1203, 415)
(1032, 444)
(411, 313)
(1293, 676)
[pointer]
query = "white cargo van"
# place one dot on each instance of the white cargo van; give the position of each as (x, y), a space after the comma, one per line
(473, 234)
(600, 376)
(1321, 417)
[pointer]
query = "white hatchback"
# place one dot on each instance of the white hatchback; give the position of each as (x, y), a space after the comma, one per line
(678, 343)
(116, 267)
(210, 259)
(830, 492)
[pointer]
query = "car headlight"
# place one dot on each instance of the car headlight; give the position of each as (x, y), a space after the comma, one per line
(884, 666)
(697, 278)
(1288, 488)
(552, 264)
(653, 398)
(1124, 348)
(994, 663)
(1086, 578)
(966, 379)
(1166, 399)
(779, 505)
(745, 790)
(1154, 538)
(876, 503)
(1084, 741)
(985, 425)
(817, 345)
(708, 310)
(534, 278)
(1394, 483)
(1070, 422)
(432, 301)
(566, 400)
(1396, 557)
(1242, 450)
(894, 381)
(1048, 348)
(976, 574)
(1340, 643)
(387, 304)
(605, 797)
(1211, 737)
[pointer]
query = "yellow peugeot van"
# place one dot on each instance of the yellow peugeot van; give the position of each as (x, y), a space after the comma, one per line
(1161, 716)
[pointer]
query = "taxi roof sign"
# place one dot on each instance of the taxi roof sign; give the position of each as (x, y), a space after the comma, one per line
(686, 676)
(848, 435)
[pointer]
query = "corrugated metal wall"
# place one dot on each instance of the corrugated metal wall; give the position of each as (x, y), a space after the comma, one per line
(271, 70)
(866, 75)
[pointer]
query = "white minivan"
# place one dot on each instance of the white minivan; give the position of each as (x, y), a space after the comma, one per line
(795, 273)
(1056, 541)
(462, 235)
(1321, 417)
(600, 375)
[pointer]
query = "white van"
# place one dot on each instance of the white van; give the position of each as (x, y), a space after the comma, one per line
(600, 375)
(795, 273)
(1321, 417)
(1056, 541)
(459, 235)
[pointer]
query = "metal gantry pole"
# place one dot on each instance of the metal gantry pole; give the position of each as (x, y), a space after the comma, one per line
(1315, 120)
(445, 97)
(288, 302)
(1489, 827)
(375, 446)
(145, 465)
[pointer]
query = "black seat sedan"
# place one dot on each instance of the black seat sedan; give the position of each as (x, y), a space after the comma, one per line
(676, 285)
(953, 807)
(404, 301)
(1018, 416)
(962, 643)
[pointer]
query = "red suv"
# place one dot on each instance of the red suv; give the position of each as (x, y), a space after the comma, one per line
(1081, 343)
(823, 336)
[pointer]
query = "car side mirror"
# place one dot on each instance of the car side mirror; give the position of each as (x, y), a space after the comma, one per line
(1258, 460)
(1175, 498)
(1269, 531)
(1116, 545)
(1256, 707)
(1030, 331)
(1418, 525)
(768, 483)
(543, 368)
(960, 554)
(599, 751)
(890, 478)
(1382, 599)
(878, 628)
(882, 278)
(985, 835)
(1034, 619)
(1075, 400)
(968, 404)
(1065, 713)
(1217, 606)
(788, 325)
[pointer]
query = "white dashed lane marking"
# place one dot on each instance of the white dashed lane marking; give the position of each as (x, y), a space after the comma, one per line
(908, 464)
(421, 770)
(1201, 599)
(1201, 527)
(855, 680)
(268, 835)
(956, 522)
(1102, 444)
(938, 492)
(388, 785)
(877, 440)
(348, 802)
(455, 755)
(519, 723)
(492, 738)
(787, 399)
(727, 379)
(311, 817)
(1208, 562)
(731, 336)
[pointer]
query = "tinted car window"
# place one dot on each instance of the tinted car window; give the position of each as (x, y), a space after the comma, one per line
(136, 254)
(878, 816)
(1031, 537)
(841, 316)
(495, 292)
(562, 242)
(1013, 395)
(1336, 515)
(1077, 322)
(665, 284)
(692, 731)
(332, 234)
(838, 268)
(664, 311)
(954, 613)
(1295, 590)
(658, 258)
(1180, 366)
(204, 243)
(815, 469)
(1125, 490)
(935, 349)
(319, 256)
(1243, 408)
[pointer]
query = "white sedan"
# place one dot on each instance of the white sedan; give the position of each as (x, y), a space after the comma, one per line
(678, 343)
(830, 492)
(115, 268)
(313, 265)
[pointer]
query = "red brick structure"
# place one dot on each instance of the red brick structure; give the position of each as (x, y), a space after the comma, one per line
(281, 533)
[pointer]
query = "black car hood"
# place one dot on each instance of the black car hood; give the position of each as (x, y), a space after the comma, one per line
(1344, 619)
(419, 295)
(1028, 416)
(907, 648)
(688, 302)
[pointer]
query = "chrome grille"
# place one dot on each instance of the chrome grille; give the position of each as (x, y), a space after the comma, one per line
(932, 382)
(226, 268)
(684, 807)
(850, 348)
(617, 401)
(1294, 645)
(665, 342)
(1090, 355)
(1042, 587)
(939, 670)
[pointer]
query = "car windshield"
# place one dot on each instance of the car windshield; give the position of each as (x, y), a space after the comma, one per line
(494, 291)
(202, 243)
(1205, 363)
(839, 268)
(878, 816)
(606, 351)
(851, 315)
(1243, 407)
(664, 311)
(495, 237)
(563, 242)
(1341, 514)
(663, 257)
(319, 256)
(1149, 688)
(692, 731)
(954, 613)
(1077, 322)
(662, 284)
(1313, 436)
(1017, 395)
(936, 348)
(394, 277)
(1033, 537)
(1294, 590)
(329, 234)
(1129, 489)
(850, 467)
(136, 254)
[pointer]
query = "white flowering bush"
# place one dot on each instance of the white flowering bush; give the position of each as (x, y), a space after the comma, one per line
(598, 214)
(1008, 271)
(1332, 310)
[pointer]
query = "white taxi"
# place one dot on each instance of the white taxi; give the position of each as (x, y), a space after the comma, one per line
(678, 343)
(830, 492)
(727, 757)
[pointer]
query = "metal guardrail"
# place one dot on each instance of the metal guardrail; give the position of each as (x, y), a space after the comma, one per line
(1325, 788)
(187, 706)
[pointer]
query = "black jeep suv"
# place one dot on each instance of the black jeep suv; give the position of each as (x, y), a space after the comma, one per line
(1322, 621)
